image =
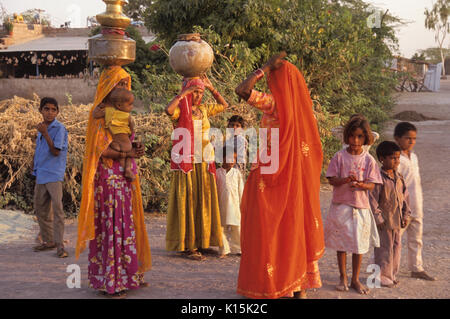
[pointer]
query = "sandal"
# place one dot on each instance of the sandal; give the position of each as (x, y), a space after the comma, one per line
(207, 251)
(62, 253)
(195, 255)
(44, 246)
(119, 295)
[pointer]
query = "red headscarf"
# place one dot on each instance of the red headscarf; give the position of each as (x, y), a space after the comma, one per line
(185, 121)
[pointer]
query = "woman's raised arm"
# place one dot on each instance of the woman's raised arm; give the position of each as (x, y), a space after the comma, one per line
(170, 108)
(217, 96)
(245, 88)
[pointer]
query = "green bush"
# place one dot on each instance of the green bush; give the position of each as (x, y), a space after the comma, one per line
(343, 60)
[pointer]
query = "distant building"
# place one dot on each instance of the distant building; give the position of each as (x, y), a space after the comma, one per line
(45, 57)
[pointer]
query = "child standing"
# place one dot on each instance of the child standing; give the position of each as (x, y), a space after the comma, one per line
(405, 135)
(350, 225)
(230, 187)
(236, 140)
(389, 203)
(49, 167)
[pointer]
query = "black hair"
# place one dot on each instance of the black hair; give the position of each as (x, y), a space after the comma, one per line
(404, 127)
(48, 100)
(237, 118)
(120, 96)
(358, 121)
(387, 148)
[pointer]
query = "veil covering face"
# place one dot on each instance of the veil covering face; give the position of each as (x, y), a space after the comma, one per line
(98, 139)
(281, 226)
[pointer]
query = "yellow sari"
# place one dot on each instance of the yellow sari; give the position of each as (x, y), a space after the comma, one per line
(193, 218)
(98, 139)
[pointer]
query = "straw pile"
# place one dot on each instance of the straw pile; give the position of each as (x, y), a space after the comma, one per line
(18, 120)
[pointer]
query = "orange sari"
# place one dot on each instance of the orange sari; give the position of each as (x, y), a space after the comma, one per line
(98, 139)
(281, 225)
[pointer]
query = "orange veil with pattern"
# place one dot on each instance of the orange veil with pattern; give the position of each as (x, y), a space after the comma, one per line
(281, 225)
(97, 140)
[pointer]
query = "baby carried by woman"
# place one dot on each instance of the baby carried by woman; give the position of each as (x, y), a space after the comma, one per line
(118, 105)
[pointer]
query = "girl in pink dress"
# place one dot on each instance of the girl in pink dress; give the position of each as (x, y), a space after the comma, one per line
(350, 225)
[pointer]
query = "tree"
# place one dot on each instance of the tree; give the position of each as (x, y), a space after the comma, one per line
(433, 55)
(437, 19)
(35, 16)
(419, 57)
(343, 60)
(135, 9)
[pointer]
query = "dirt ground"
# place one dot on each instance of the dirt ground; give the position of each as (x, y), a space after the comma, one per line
(26, 274)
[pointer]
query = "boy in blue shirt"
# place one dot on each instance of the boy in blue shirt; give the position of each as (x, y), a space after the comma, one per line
(49, 168)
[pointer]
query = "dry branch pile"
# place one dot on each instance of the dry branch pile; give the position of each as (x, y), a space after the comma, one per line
(18, 120)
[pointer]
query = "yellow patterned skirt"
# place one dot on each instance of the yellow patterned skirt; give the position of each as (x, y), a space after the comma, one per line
(193, 219)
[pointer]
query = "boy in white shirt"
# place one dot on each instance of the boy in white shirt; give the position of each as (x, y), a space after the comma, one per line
(230, 187)
(238, 141)
(405, 135)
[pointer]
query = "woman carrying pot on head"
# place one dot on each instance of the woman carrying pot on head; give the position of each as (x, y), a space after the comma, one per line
(281, 225)
(193, 220)
(111, 215)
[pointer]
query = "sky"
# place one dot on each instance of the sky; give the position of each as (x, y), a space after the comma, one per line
(412, 37)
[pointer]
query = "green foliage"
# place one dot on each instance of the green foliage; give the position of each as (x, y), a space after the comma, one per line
(432, 55)
(135, 9)
(69, 98)
(437, 19)
(15, 200)
(8, 26)
(342, 59)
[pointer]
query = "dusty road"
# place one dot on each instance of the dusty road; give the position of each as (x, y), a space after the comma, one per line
(26, 274)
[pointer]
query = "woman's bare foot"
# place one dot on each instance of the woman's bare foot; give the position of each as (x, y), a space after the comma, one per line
(359, 287)
(343, 284)
(144, 284)
(300, 294)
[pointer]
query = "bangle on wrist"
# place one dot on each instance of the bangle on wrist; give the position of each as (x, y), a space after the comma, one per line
(259, 74)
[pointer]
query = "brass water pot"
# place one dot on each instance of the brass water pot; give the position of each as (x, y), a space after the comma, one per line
(113, 17)
(112, 49)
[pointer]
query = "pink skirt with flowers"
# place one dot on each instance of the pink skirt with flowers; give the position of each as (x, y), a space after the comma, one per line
(113, 262)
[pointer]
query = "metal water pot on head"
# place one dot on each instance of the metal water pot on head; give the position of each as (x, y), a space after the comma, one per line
(190, 56)
(112, 46)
